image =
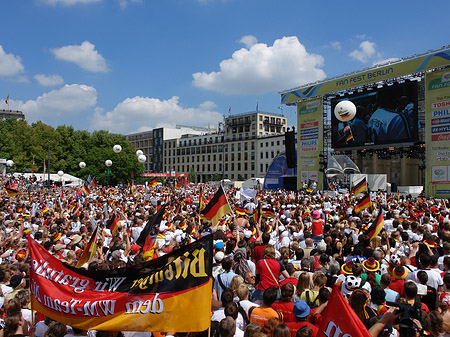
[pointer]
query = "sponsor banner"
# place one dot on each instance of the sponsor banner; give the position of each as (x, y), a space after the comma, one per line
(310, 142)
(437, 133)
(426, 62)
(154, 297)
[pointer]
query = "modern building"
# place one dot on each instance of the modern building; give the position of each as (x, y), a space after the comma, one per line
(230, 152)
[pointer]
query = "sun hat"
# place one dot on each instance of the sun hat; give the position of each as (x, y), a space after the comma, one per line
(399, 273)
(315, 214)
(346, 268)
(371, 264)
(301, 309)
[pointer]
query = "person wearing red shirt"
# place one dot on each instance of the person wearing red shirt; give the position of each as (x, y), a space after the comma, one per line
(301, 311)
(258, 251)
(398, 279)
(269, 271)
(284, 305)
(317, 227)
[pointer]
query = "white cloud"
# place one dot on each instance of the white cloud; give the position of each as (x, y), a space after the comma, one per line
(84, 55)
(336, 45)
(10, 65)
(124, 3)
(144, 113)
(264, 69)
(68, 2)
(67, 102)
(248, 41)
(365, 52)
(49, 80)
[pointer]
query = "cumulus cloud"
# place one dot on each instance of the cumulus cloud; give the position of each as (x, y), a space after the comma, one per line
(144, 113)
(263, 69)
(248, 41)
(67, 102)
(366, 51)
(49, 80)
(68, 2)
(10, 65)
(84, 55)
(336, 45)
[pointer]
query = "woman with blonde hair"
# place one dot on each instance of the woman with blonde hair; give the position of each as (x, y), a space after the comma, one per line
(304, 283)
(235, 282)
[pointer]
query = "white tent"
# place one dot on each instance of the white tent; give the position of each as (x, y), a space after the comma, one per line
(67, 179)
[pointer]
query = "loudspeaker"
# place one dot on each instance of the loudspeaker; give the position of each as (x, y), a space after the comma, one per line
(289, 142)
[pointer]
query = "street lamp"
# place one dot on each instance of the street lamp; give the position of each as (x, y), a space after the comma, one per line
(108, 164)
(61, 174)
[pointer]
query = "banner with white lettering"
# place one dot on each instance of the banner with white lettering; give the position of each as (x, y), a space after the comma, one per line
(309, 142)
(158, 296)
(437, 139)
(339, 319)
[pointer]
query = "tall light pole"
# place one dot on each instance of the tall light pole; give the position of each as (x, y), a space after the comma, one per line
(48, 179)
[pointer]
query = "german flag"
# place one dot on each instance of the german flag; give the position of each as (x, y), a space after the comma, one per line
(360, 187)
(94, 183)
(363, 203)
(85, 189)
(151, 228)
(376, 226)
(217, 207)
(89, 251)
(239, 211)
(113, 224)
(12, 192)
(153, 182)
(268, 212)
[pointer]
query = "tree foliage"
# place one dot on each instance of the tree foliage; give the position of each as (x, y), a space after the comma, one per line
(68, 147)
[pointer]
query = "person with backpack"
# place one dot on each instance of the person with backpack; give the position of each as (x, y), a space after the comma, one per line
(223, 280)
(311, 296)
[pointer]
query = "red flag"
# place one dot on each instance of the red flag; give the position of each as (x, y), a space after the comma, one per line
(32, 169)
(339, 319)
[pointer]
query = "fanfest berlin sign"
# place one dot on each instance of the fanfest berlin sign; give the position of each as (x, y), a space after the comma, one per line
(160, 296)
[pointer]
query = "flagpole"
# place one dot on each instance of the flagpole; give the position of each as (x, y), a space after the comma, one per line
(48, 182)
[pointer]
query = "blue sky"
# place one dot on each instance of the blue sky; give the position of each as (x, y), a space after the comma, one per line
(132, 65)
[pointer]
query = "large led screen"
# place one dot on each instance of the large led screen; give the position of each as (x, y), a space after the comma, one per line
(384, 117)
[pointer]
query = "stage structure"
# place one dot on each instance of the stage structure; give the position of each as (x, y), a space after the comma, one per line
(402, 110)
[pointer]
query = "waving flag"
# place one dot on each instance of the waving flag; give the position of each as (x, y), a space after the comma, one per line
(217, 207)
(360, 187)
(12, 192)
(89, 251)
(339, 319)
(376, 226)
(153, 182)
(113, 224)
(363, 203)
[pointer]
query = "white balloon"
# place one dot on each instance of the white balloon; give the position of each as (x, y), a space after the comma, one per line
(108, 163)
(142, 158)
(9, 163)
(82, 164)
(117, 148)
(345, 111)
(60, 173)
(139, 153)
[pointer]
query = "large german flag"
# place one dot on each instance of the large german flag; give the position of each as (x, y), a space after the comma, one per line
(85, 189)
(360, 187)
(153, 182)
(376, 226)
(155, 296)
(217, 207)
(363, 203)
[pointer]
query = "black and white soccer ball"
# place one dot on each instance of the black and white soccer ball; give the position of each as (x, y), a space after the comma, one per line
(351, 282)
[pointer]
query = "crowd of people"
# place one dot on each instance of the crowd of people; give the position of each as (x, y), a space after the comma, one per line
(277, 256)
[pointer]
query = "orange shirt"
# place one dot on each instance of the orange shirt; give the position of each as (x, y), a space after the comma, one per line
(261, 315)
